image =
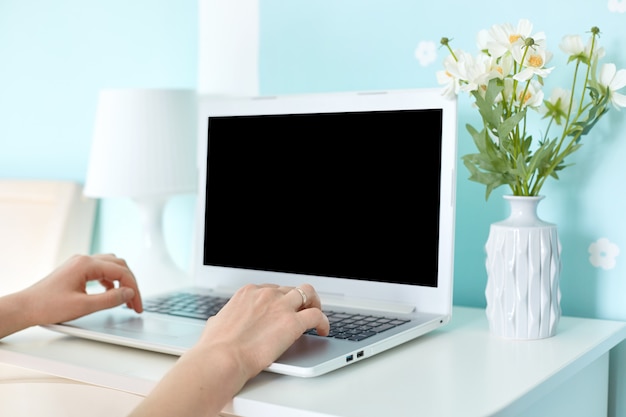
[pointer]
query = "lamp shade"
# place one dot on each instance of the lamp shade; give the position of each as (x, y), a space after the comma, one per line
(144, 144)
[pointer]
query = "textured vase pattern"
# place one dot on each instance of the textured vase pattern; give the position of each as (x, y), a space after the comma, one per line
(523, 271)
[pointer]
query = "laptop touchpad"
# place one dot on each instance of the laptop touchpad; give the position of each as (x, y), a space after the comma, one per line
(154, 326)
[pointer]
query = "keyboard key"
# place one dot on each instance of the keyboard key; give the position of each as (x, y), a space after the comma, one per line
(357, 326)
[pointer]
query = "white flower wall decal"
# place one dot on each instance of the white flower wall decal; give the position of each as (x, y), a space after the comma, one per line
(617, 6)
(426, 52)
(602, 253)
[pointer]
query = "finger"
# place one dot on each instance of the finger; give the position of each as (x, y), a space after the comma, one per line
(109, 272)
(314, 318)
(312, 297)
(297, 297)
(112, 298)
(104, 255)
(108, 285)
(110, 257)
(136, 303)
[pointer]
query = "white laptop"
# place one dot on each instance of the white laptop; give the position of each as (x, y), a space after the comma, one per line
(353, 193)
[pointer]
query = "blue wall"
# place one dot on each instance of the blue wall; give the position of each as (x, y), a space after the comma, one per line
(55, 57)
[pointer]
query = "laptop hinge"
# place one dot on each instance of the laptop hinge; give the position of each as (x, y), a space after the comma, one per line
(334, 300)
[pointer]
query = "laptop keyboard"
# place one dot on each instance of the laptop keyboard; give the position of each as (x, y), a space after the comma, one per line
(185, 304)
(343, 325)
(357, 327)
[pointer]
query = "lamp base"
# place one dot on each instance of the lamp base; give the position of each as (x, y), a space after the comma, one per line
(154, 268)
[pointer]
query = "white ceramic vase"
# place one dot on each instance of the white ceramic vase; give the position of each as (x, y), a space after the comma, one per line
(523, 271)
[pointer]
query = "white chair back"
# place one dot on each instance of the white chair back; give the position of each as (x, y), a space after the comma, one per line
(42, 223)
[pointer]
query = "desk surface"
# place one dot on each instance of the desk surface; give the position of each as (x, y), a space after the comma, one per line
(459, 369)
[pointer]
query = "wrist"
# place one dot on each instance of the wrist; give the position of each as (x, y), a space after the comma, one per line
(15, 313)
(202, 382)
(217, 361)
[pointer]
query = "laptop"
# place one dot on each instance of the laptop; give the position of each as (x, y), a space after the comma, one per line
(351, 192)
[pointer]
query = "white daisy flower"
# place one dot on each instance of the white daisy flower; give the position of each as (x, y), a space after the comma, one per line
(532, 59)
(557, 105)
(572, 45)
(501, 39)
(613, 80)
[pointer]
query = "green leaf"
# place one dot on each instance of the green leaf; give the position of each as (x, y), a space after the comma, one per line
(509, 124)
(491, 180)
(489, 110)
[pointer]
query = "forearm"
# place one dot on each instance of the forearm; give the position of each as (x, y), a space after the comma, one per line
(14, 314)
(201, 383)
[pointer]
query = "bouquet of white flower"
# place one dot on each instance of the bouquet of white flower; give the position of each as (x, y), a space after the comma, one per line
(506, 79)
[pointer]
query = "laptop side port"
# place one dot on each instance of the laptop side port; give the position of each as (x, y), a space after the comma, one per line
(349, 358)
(360, 354)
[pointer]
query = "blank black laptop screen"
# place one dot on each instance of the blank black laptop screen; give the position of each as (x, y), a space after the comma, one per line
(350, 195)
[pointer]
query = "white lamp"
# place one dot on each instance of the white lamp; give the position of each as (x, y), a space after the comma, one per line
(144, 148)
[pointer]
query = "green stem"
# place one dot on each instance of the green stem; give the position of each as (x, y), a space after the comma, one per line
(569, 121)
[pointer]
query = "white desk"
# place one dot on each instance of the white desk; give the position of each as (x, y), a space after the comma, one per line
(459, 370)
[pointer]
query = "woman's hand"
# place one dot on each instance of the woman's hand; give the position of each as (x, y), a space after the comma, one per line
(251, 331)
(62, 295)
(261, 321)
